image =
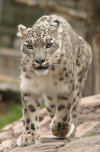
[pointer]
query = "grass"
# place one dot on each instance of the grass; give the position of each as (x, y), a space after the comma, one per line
(13, 113)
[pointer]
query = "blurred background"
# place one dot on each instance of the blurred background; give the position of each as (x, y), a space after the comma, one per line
(84, 16)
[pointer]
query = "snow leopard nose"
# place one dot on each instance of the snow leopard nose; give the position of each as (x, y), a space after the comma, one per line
(40, 61)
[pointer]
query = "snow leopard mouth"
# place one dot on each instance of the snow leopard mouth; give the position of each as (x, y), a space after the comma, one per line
(41, 68)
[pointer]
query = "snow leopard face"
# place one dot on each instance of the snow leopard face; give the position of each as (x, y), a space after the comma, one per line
(41, 44)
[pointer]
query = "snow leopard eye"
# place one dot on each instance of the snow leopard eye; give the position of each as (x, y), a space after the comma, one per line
(48, 45)
(29, 46)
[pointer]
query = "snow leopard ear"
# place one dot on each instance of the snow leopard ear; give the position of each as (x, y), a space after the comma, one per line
(22, 31)
(56, 26)
(55, 23)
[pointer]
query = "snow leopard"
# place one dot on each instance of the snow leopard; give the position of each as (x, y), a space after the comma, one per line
(54, 65)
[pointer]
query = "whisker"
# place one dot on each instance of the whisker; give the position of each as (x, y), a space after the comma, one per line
(27, 65)
(54, 58)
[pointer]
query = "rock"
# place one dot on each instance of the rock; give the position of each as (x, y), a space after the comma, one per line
(45, 129)
(18, 129)
(48, 145)
(88, 125)
(93, 131)
(7, 143)
(87, 144)
(46, 120)
(86, 128)
(8, 127)
(89, 116)
(8, 134)
(89, 109)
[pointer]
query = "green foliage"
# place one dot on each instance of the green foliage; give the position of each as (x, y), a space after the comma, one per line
(14, 113)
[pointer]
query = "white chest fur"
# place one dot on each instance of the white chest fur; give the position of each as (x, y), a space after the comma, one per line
(44, 84)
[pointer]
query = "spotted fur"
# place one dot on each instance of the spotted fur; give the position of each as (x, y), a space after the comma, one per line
(54, 65)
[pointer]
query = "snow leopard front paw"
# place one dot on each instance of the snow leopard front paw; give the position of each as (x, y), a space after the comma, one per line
(61, 129)
(28, 139)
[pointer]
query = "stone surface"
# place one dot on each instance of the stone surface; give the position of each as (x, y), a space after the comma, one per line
(89, 144)
(47, 145)
(45, 129)
(8, 127)
(18, 128)
(87, 128)
(7, 143)
(88, 125)
(8, 134)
